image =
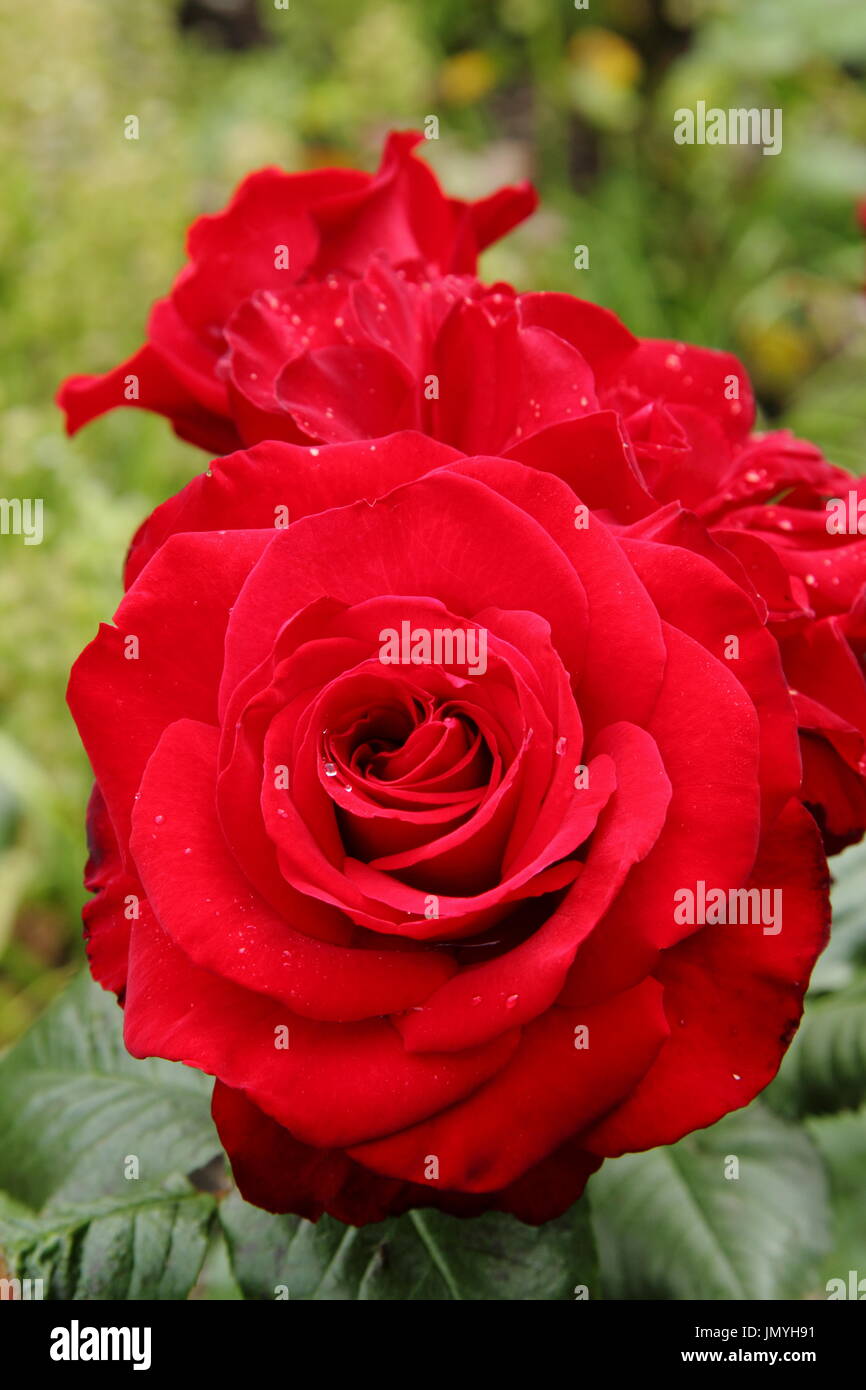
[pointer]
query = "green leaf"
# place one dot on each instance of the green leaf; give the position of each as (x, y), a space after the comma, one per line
(841, 1140)
(671, 1225)
(825, 1067)
(147, 1245)
(420, 1256)
(74, 1106)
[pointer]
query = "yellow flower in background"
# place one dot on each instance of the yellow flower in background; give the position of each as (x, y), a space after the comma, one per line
(607, 57)
(467, 76)
(780, 354)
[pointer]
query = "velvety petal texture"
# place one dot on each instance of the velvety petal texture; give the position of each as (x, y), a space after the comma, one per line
(420, 781)
(309, 232)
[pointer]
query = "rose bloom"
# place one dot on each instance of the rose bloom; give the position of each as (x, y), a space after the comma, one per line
(306, 230)
(417, 917)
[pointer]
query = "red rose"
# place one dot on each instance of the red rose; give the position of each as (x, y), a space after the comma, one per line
(777, 511)
(423, 919)
(284, 229)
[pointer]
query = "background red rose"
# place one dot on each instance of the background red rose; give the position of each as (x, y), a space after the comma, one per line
(327, 222)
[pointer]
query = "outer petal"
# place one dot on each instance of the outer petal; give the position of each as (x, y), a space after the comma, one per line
(256, 488)
(546, 1093)
(83, 398)
(135, 692)
(733, 997)
(276, 1171)
(334, 1085)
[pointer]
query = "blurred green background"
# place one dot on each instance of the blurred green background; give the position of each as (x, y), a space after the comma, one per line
(718, 245)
